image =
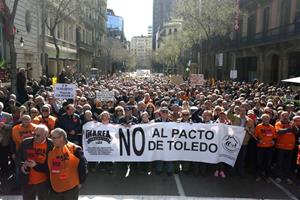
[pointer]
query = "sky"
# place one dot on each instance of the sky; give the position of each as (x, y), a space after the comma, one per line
(137, 15)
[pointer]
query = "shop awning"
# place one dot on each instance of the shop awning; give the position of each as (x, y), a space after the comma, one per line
(292, 80)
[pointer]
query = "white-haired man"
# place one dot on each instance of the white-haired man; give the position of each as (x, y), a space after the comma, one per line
(32, 160)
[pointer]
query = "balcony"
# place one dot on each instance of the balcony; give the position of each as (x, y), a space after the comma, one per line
(85, 47)
(279, 34)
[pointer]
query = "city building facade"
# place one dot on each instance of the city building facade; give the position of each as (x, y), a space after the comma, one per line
(115, 25)
(162, 13)
(267, 44)
(141, 50)
(27, 30)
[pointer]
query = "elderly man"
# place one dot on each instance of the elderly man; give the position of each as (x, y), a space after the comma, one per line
(67, 166)
(21, 132)
(32, 160)
(266, 135)
(5, 135)
(45, 118)
(71, 123)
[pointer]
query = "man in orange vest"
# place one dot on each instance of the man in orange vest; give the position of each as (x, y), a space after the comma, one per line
(32, 160)
(67, 166)
(45, 118)
(265, 134)
(21, 132)
(285, 145)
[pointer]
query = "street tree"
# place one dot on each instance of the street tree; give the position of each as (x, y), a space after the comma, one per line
(114, 53)
(205, 22)
(8, 17)
(57, 12)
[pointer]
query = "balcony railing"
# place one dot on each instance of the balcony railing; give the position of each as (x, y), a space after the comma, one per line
(85, 47)
(278, 34)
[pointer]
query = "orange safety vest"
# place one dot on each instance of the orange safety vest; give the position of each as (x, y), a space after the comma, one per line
(38, 154)
(285, 141)
(266, 135)
(19, 133)
(49, 121)
(63, 165)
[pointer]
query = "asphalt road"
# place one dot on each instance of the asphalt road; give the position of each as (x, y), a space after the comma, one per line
(140, 185)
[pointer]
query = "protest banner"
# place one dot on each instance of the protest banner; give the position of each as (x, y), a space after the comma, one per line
(105, 95)
(210, 143)
(64, 91)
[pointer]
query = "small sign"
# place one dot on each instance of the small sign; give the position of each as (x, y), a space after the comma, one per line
(64, 91)
(54, 80)
(176, 80)
(197, 79)
(105, 95)
(233, 74)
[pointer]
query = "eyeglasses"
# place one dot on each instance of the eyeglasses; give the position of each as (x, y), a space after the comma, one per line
(45, 110)
(185, 115)
(34, 112)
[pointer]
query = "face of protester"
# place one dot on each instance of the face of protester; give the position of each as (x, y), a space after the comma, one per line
(145, 118)
(34, 112)
(284, 118)
(105, 118)
(58, 140)
(82, 101)
(164, 114)
(70, 110)
(39, 135)
(26, 120)
(265, 119)
(297, 122)
(242, 112)
(185, 116)
(206, 116)
(45, 112)
(88, 116)
(222, 117)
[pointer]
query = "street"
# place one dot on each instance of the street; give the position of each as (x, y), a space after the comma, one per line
(140, 185)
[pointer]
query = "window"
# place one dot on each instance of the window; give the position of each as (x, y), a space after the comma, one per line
(285, 12)
(66, 30)
(71, 33)
(266, 19)
(251, 27)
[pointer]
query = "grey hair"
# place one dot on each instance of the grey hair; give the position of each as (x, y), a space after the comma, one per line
(43, 127)
(60, 132)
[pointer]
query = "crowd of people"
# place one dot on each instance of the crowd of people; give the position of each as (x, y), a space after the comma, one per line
(42, 135)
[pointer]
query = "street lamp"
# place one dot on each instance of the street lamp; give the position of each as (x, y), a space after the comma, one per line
(21, 41)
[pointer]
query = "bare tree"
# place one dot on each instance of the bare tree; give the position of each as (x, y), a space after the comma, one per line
(58, 11)
(114, 51)
(8, 17)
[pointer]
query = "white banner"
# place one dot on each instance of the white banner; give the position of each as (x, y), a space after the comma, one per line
(171, 141)
(233, 74)
(64, 91)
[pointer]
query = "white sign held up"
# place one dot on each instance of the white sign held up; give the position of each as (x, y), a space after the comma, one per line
(64, 91)
(233, 74)
(105, 95)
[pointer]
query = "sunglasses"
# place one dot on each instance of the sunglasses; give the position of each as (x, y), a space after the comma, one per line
(45, 110)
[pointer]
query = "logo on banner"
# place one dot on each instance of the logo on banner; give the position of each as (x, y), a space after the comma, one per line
(231, 143)
(98, 136)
